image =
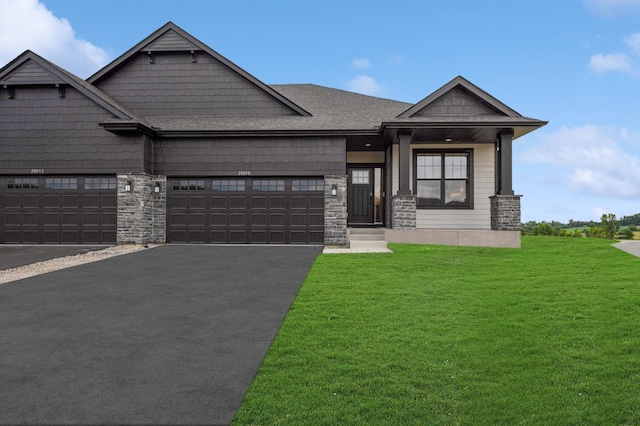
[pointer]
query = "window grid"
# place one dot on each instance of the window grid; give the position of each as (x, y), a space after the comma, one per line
(101, 183)
(22, 183)
(228, 185)
(188, 185)
(307, 185)
(61, 183)
(443, 179)
(360, 177)
(268, 185)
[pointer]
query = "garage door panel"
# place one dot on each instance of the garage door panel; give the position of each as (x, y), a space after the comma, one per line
(13, 201)
(246, 210)
(237, 219)
(259, 202)
(276, 202)
(52, 210)
(258, 219)
(91, 201)
(30, 201)
(276, 219)
(52, 201)
(219, 203)
(70, 201)
(12, 219)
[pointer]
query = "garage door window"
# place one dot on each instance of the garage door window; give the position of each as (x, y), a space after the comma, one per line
(268, 185)
(228, 185)
(61, 183)
(188, 185)
(100, 183)
(22, 183)
(307, 185)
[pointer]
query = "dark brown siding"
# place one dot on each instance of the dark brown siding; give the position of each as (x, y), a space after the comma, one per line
(258, 157)
(174, 85)
(40, 131)
(457, 102)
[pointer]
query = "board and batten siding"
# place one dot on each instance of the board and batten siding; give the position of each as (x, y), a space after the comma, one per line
(484, 187)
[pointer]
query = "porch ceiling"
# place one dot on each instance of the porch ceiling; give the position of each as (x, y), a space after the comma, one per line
(457, 134)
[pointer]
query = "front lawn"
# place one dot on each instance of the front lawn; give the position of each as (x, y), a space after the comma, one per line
(545, 334)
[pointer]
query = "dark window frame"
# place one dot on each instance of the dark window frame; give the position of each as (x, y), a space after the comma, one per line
(228, 185)
(188, 185)
(469, 205)
(307, 185)
(100, 183)
(22, 183)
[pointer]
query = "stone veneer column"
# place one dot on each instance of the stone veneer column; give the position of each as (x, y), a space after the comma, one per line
(141, 211)
(505, 213)
(335, 210)
(404, 212)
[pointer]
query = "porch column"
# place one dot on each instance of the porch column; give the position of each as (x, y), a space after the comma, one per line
(404, 162)
(505, 178)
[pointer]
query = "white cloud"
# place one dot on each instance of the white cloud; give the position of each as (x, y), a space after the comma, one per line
(361, 63)
(609, 8)
(29, 25)
(626, 63)
(365, 85)
(597, 161)
(633, 42)
(612, 62)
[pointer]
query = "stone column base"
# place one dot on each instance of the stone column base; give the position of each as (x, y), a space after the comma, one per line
(403, 211)
(335, 210)
(505, 213)
(142, 211)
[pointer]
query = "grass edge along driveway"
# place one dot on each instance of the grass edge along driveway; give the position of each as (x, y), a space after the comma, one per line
(545, 334)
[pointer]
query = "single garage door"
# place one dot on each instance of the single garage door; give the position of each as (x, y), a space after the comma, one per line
(245, 211)
(58, 210)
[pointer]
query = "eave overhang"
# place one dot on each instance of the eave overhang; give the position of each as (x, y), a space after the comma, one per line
(127, 128)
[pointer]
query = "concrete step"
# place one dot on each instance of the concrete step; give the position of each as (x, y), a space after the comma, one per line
(366, 237)
(368, 246)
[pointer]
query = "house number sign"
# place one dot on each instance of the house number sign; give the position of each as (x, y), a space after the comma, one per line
(244, 172)
(37, 171)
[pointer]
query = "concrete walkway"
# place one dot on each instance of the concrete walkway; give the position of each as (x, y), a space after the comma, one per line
(632, 247)
(173, 335)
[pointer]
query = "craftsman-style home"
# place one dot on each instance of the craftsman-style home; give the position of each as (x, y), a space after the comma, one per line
(172, 142)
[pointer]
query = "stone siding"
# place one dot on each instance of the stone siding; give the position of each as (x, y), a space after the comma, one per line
(335, 211)
(141, 211)
(505, 213)
(403, 212)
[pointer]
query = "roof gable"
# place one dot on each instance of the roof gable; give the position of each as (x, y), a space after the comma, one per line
(459, 97)
(171, 38)
(30, 69)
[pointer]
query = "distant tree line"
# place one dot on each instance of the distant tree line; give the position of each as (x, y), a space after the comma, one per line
(608, 227)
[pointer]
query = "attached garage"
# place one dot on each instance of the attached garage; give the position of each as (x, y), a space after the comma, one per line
(245, 210)
(58, 210)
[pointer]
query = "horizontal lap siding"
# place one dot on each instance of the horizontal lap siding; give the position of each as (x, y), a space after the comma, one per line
(174, 85)
(484, 187)
(258, 157)
(39, 130)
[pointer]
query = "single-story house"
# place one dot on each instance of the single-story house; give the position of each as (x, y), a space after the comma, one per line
(172, 142)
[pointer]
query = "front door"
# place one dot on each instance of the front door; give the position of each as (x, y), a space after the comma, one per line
(360, 197)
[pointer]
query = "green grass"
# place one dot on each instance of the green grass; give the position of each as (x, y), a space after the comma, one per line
(545, 334)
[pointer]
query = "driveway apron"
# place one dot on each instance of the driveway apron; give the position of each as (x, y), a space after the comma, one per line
(170, 335)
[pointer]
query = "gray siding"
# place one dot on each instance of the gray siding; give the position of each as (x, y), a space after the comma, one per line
(174, 85)
(31, 72)
(457, 102)
(39, 130)
(259, 157)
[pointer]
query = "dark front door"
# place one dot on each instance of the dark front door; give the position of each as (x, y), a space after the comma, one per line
(360, 195)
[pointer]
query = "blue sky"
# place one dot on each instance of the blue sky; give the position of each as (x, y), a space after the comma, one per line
(575, 63)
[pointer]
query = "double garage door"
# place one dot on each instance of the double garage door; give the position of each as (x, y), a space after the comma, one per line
(58, 210)
(245, 210)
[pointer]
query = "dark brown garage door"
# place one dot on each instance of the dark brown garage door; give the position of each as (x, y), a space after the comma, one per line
(247, 210)
(58, 210)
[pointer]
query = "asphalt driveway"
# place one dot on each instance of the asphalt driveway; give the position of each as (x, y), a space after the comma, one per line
(170, 335)
(12, 256)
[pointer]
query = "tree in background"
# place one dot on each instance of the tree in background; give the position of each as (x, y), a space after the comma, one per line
(610, 225)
